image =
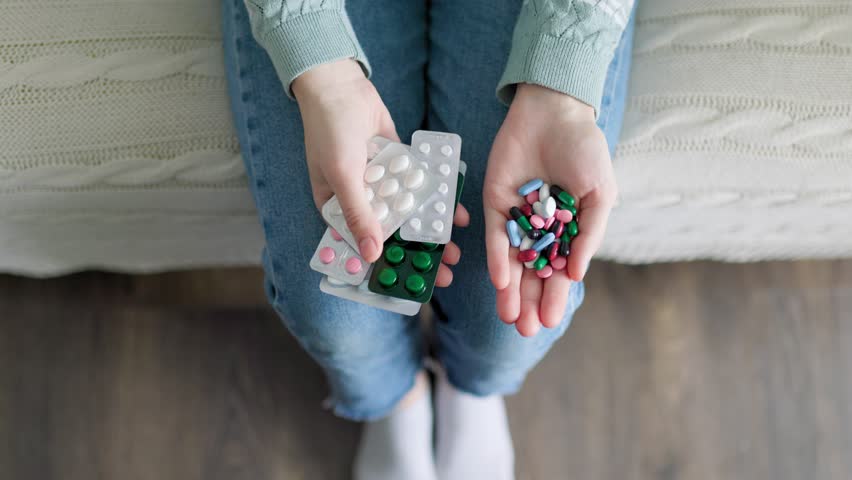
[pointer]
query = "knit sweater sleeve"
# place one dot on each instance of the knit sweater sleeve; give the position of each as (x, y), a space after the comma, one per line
(565, 45)
(301, 34)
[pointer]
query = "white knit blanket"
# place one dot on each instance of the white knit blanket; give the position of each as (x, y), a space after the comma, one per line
(118, 151)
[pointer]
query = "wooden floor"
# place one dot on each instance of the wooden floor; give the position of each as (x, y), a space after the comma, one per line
(684, 371)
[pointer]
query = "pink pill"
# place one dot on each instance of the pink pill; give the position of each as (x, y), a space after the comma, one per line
(327, 255)
(549, 222)
(353, 266)
(545, 272)
(559, 263)
(336, 235)
(564, 216)
(536, 221)
(532, 197)
(526, 210)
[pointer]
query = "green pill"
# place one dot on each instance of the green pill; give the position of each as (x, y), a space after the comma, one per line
(573, 210)
(395, 255)
(524, 223)
(415, 285)
(572, 229)
(566, 198)
(422, 262)
(398, 237)
(540, 262)
(429, 246)
(387, 277)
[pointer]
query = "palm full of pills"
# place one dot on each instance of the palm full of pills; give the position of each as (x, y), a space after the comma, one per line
(543, 226)
(414, 187)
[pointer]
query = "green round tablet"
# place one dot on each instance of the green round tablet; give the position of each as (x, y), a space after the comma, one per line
(395, 255)
(398, 237)
(429, 246)
(422, 261)
(387, 277)
(415, 284)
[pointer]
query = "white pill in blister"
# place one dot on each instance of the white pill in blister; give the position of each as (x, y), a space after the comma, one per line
(444, 169)
(447, 150)
(335, 281)
(443, 188)
(381, 210)
(438, 226)
(414, 180)
(440, 207)
(404, 202)
(425, 147)
(400, 163)
(389, 187)
(415, 223)
(368, 192)
(336, 210)
(374, 173)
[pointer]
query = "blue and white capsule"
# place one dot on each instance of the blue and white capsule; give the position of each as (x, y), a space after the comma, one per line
(514, 231)
(530, 187)
(544, 242)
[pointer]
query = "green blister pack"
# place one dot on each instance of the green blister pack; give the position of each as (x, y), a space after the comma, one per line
(407, 270)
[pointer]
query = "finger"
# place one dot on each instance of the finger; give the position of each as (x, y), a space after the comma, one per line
(444, 277)
(509, 299)
(554, 298)
(497, 247)
(591, 220)
(356, 209)
(387, 128)
(452, 254)
(461, 217)
(528, 323)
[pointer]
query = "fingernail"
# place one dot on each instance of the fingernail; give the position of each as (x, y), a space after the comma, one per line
(367, 247)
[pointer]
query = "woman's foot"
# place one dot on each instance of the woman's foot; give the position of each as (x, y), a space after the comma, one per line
(473, 436)
(399, 446)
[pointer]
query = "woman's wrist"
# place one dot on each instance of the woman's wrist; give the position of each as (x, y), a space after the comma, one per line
(326, 77)
(535, 98)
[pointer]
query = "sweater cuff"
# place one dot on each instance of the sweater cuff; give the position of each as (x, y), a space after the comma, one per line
(576, 69)
(306, 41)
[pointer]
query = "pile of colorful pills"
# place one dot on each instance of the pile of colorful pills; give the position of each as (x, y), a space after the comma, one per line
(543, 227)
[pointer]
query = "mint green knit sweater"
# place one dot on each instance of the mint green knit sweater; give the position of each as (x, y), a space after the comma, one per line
(565, 45)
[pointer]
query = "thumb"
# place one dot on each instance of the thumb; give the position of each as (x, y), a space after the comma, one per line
(357, 211)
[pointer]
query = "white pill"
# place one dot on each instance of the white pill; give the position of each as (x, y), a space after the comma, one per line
(368, 192)
(538, 208)
(544, 193)
(404, 202)
(336, 282)
(549, 207)
(374, 173)
(444, 169)
(415, 224)
(414, 180)
(424, 165)
(425, 147)
(381, 210)
(443, 188)
(335, 209)
(529, 264)
(400, 163)
(438, 226)
(389, 187)
(447, 150)
(526, 243)
(440, 207)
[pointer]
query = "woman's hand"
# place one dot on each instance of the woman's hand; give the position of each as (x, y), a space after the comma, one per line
(341, 111)
(551, 136)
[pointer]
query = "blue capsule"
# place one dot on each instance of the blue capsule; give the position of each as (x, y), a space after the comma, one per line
(514, 231)
(530, 186)
(544, 241)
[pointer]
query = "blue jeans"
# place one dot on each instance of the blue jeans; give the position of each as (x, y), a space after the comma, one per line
(436, 65)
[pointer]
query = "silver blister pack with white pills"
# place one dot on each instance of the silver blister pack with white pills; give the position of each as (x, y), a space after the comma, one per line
(362, 294)
(432, 222)
(396, 182)
(337, 259)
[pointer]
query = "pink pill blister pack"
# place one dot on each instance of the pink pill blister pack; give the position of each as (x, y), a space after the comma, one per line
(396, 182)
(432, 221)
(362, 294)
(337, 259)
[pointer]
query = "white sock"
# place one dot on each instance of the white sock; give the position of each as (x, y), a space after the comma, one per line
(399, 446)
(473, 436)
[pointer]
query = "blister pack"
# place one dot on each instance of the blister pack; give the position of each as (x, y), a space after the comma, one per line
(337, 259)
(407, 270)
(432, 222)
(396, 182)
(362, 294)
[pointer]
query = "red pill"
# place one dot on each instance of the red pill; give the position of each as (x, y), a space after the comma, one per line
(552, 251)
(527, 255)
(559, 229)
(545, 272)
(549, 222)
(536, 221)
(532, 197)
(559, 263)
(527, 210)
(564, 216)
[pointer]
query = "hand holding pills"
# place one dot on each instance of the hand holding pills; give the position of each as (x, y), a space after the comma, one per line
(549, 136)
(341, 110)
